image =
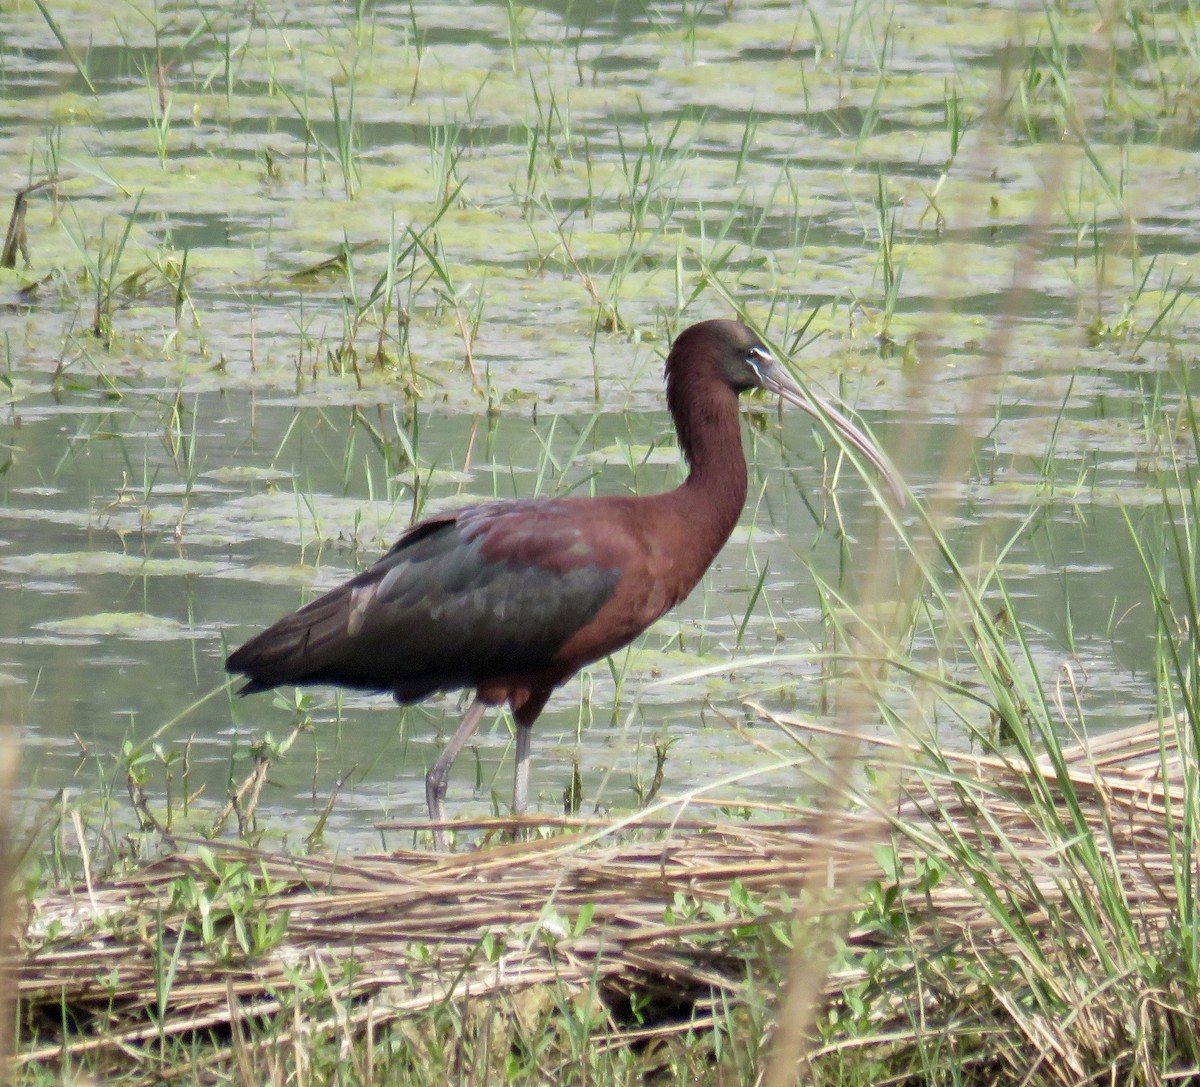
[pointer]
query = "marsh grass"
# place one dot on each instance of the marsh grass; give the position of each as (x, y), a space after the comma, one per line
(992, 940)
(1079, 963)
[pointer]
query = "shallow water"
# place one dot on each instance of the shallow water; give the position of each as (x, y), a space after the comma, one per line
(266, 406)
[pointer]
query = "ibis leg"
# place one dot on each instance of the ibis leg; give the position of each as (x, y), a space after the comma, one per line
(439, 772)
(521, 773)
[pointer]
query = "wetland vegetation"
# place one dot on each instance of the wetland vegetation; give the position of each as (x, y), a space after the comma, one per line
(284, 279)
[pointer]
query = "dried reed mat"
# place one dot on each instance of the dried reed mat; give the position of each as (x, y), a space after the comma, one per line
(391, 935)
(220, 936)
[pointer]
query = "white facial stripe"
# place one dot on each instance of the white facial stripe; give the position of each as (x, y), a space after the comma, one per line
(759, 359)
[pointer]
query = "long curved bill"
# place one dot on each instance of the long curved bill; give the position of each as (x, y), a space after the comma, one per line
(774, 378)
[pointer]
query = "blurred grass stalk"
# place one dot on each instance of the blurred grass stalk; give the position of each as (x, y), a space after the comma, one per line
(919, 555)
(10, 757)
(1094, 961)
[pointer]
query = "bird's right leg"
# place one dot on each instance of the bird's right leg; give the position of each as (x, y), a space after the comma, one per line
(439, 772)
(521, 770)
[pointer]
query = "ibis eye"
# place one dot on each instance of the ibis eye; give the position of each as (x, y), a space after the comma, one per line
(758, 357)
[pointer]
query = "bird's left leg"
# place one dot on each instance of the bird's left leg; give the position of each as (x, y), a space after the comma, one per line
(521, 771)
(439, 772)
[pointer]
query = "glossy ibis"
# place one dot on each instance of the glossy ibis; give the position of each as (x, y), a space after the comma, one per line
(512, 597)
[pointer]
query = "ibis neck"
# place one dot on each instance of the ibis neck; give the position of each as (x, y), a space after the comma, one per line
(709, 425)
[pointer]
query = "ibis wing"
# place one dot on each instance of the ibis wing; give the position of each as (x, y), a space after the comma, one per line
(491, 591)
